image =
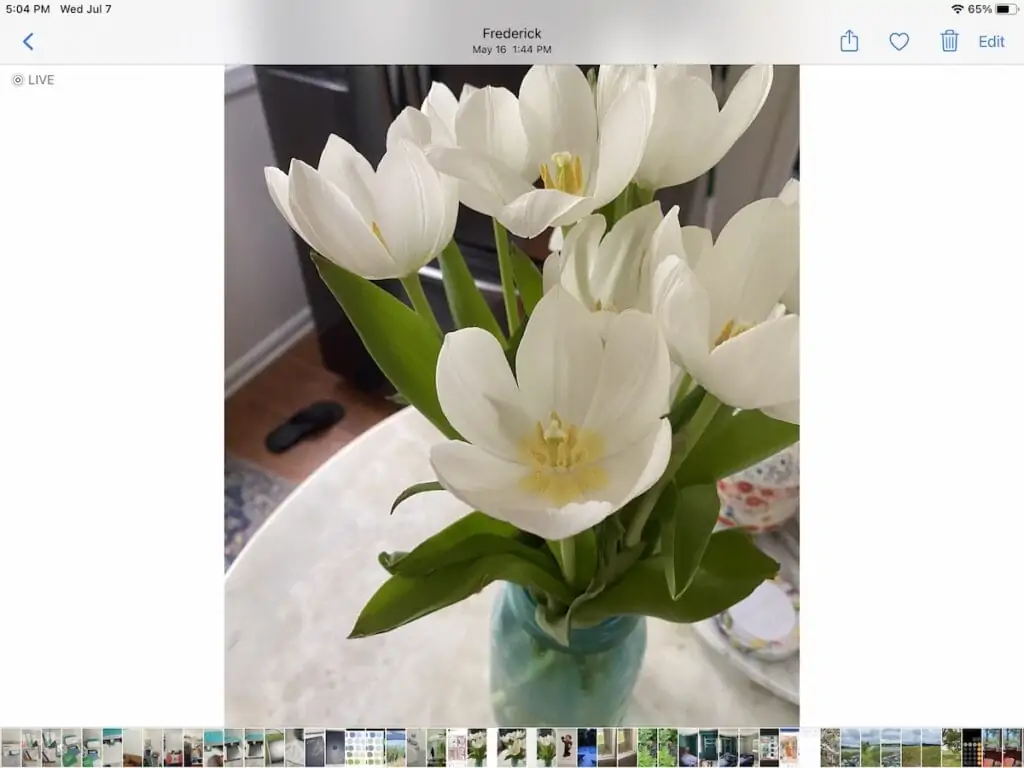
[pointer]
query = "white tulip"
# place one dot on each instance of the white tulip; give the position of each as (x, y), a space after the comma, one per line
(575, 434)
(722, 318)
(689, 134)
(612, 272)
(552, 131)
(383, 224)
(478, 741)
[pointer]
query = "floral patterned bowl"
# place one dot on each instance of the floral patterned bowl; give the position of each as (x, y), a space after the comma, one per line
(764, 496)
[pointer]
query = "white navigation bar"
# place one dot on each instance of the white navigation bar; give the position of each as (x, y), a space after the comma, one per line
(470, 31)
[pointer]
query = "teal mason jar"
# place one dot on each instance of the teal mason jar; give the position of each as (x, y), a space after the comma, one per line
(535, 680)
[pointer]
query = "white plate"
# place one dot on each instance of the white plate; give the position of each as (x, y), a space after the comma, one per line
(780, 677)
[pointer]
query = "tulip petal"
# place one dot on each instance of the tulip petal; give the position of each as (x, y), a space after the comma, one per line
(788, 412)
(488, 124)
(552, 274)
(559, 359)
(790, 193)
(440, 107)
(700, 71)
(530, 214)
(558, 113)
(632, 390)
(410, 125)
(624, 253)
(613, 80)
(351, 173)
(556, 240)
(755, 259)
(338, 231)
(682, 130)
(638, 466)
(487, 185)
(741, 108)
(697, 242)
(412, 205)
(758, 368)
(580, 256)
(478, 393)
(277, 185)
(683, 309)
(623, 139)
(496, 486)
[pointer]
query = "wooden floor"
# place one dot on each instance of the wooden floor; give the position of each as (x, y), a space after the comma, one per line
(290, 383)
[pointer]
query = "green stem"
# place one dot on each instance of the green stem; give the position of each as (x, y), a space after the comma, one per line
(567, 549)
(691, 435)
(682, 392)
(701, 420)
(414, 290)
(508, 288)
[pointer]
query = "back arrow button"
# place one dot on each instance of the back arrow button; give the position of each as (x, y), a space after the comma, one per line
(26, 42)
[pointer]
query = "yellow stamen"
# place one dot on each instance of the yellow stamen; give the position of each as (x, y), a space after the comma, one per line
(568, 173)
(731, 330)
(563, 461)
(377, 233)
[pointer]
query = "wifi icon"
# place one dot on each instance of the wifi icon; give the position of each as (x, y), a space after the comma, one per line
(957, 8)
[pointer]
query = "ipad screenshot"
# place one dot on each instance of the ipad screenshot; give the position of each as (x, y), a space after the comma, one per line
(484, 321)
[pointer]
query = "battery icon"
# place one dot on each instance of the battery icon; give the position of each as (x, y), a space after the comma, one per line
(1007, 9)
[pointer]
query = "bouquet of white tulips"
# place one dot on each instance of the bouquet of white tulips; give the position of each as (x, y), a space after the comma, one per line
(588, 426)
(546, 748)
(513, 747)
(476, 747)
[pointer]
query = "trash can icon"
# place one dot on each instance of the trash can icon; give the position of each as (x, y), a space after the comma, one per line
(949, 40)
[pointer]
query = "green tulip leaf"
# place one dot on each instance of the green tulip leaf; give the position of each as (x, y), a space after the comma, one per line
(467, 303)
(421, 562)
(415, 490)
(733, 444)
(466, 539)
(403, 345)
(528, 278)
(513, 346)
(731, 569)
(687, 534)
(402, 599)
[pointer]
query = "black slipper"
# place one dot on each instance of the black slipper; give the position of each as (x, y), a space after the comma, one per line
(310, 421)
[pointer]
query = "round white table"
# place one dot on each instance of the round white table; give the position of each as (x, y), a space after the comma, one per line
(294, 593)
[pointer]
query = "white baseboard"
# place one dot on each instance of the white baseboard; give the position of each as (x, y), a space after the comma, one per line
(279, 341)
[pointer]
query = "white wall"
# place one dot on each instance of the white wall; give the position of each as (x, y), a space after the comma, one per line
(265, 306)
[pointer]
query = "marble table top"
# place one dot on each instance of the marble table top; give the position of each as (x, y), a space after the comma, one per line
(293, 595)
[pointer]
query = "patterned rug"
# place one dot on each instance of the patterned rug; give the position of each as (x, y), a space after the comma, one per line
(250, 495)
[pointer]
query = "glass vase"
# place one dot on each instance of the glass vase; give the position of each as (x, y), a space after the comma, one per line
(535, 680)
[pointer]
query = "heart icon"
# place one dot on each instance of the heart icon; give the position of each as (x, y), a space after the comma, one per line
(899, 40)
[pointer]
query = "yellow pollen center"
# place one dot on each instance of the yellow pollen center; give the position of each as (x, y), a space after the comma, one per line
(377, 233)
(563, 461)
(568, 175)
(731, 330)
